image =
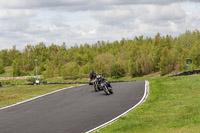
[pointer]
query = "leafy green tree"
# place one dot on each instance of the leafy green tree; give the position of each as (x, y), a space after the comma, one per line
(136, 57)
(12, 55)
(50, 70)
(4, 57)
(1, 66)
(195, 53)
(70, 70)
(192, 67)
(103, 64)
(117, 71)
(87, 68)
(16, 68)
(166, 64)
(145, 65)
(27, 58)
(182, 59)
(133, 56)
(79, 59)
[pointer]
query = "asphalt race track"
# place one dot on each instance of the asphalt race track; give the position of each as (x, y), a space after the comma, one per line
(74, 110)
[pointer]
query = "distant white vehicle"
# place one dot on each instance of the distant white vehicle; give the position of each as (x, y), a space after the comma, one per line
(37, 82)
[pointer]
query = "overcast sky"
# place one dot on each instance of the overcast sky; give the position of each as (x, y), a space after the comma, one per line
(25, 22)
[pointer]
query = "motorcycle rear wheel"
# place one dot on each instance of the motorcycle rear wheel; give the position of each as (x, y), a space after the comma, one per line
(95, 86)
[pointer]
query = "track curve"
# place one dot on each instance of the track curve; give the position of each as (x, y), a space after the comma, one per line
(78, 109)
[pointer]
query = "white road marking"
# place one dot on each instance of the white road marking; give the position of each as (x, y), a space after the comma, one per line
(38, 97)
(146, 91)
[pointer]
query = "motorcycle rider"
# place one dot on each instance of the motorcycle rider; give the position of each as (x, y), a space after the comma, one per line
(100, 80)
(92, 75)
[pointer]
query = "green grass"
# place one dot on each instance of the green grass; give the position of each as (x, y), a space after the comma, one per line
(61, 80)
(13, 94)
(14, 82)
(173, 105)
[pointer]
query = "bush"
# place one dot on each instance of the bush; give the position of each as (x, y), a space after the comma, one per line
(117, 71)
(103, 64)
(66, 77)
(32, 79)
(5, 82)
(191, 67)
(23, 73)
(1, 67)
(70, 71)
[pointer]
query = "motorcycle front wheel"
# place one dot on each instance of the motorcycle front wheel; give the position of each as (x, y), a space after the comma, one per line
(106, 90)
(110, 90)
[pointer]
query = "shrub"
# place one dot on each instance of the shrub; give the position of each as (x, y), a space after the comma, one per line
(191, 67)
(117, 71)
(31, 79)
(70, 71)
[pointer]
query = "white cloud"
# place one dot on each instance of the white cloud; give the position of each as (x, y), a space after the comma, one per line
(73, 5)
(82, 21)
(145, 19)
(192, 21)
(155, 13)
(15, 14)
(113, 16)
(14, 20)
(148, 20)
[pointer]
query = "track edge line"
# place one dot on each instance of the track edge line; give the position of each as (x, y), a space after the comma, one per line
(34, 98)
(146, 92)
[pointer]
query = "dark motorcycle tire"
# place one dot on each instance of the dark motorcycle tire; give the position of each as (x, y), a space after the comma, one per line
(110, 90)
(106, 90)
(95, 87)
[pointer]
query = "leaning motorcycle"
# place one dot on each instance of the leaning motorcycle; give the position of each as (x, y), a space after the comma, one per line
(107, 88)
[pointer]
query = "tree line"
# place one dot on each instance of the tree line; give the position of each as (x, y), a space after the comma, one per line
(134, 57)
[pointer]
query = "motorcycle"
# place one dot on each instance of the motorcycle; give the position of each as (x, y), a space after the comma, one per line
(107, 88)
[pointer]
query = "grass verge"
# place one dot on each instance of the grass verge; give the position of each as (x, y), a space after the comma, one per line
(14, 94)
(173, 106)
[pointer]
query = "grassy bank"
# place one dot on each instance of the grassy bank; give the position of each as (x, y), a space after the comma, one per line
(173, 106)
(13, 94)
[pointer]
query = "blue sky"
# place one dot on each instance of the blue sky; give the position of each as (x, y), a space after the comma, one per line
(25, 22)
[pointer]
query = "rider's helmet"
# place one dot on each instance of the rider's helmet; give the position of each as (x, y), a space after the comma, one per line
(91, 71)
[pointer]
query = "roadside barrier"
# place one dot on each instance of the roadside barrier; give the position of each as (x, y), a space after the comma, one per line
(186, 73)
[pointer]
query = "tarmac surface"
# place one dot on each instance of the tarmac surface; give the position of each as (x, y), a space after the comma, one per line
(74, 110)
